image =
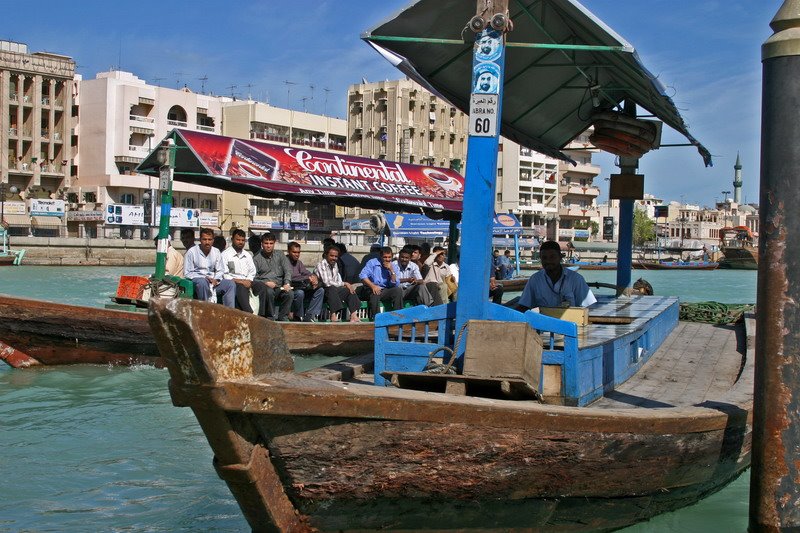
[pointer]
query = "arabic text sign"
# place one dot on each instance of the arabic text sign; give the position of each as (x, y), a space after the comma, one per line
(483, 111)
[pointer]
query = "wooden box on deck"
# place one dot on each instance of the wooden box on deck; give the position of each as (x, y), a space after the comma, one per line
(503, 350)
(578, 315)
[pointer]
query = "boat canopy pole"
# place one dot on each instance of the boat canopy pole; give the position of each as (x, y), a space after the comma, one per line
(166, 175)
(516, 254)
(452, 242)
(485, 110)
(627, 166)
(775, 475)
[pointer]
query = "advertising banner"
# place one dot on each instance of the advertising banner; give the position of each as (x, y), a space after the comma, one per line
(422, 227)
(582, 233)
(85, 216)
(48, 208)
(15, 208)
(316, 174)
(209, 220)
(126, 215)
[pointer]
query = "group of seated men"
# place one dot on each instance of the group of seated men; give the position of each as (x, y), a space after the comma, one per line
(287, 290)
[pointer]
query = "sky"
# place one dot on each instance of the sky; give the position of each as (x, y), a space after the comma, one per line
(706, 52)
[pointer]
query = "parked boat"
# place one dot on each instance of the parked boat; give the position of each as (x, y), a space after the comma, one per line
(328, 450)
(738, 246)
(674, 265)
(35, 332)
(595, 265)
(8, 257)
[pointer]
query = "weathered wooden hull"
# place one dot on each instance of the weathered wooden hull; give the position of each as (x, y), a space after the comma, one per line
(35, 332)
(300, 452)
(740, 258)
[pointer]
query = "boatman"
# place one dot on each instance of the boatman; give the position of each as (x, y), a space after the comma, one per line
(554, 285)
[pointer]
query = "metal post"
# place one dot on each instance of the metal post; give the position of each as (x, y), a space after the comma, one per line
(627, 165)
(775, 475)
(479, 195)
(516, 254)
(166, 175)
(452, 241)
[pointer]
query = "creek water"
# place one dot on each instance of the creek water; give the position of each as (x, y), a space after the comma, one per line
(102, 448)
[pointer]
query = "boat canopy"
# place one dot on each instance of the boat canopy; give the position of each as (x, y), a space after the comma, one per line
(562, 67)
(422, 227)
(274, 171)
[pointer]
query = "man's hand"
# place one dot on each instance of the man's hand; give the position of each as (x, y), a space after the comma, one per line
(243, 282)
(314, 281)
(418, 281)
(492, 284)
(270, 284)
(286, 287)
(350, 288)
(376, 290)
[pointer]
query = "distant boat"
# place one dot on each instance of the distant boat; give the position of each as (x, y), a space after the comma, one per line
(675, 265)
(738, 245)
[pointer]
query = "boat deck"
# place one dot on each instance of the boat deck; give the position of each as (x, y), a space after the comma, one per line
(697, 362)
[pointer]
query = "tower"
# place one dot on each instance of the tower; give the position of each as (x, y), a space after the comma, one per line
(737, 180)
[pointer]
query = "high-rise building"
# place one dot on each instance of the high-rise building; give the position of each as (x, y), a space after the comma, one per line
(37, 118)
(577, 191)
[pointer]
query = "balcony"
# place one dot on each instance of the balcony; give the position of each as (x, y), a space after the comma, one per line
(575, 211)
(13, 97)
(12, 132)
(266, 136)
(583, 168)
(142, 119)
(205, 128)
(178, 123)
(583, 191)
(340, 147)
(136, 148)
(45, 100)
(51, 169)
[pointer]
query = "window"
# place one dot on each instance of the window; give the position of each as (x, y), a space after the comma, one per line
(206, 204)
(127, 199)
(188, 203)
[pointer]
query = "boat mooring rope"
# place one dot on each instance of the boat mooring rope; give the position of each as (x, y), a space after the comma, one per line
(442, 368)
(713, 312)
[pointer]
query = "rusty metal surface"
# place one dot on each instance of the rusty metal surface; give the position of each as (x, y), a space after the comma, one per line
(775, 479)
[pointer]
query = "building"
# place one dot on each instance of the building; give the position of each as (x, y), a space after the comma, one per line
(37, 120)
(577, 192)
(122, 118)
(263, 122)
(527, 186)
(400, 121)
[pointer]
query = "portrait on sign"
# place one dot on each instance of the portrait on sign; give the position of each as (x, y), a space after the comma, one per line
(488, 46)
(487, 79)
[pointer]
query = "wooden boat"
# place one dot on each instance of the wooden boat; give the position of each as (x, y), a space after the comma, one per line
(35, 332)
(327, 450)
(595, 265)
(674, 265)
(738, 246)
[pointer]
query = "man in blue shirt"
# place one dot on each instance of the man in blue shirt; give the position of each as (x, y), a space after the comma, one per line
(381, 283)
(554, 285)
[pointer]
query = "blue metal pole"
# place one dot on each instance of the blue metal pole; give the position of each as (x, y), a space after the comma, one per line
(625, 243)
(484, 117)
(516, 254)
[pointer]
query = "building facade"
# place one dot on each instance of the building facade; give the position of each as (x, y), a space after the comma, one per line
(577, 192)
(37, 120)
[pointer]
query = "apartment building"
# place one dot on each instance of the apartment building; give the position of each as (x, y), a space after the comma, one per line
(37, 117)
(263, 122)
(527, 186)
(122, 118)
(577, 191)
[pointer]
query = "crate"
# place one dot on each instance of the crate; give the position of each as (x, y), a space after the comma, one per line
(577, 315)
(510, 350)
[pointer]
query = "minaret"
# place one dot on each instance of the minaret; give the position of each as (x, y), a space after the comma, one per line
(737, 180)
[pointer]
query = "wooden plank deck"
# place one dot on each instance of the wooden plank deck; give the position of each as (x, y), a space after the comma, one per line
(697, 362)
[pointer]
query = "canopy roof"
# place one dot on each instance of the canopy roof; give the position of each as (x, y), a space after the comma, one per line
(561, 60)
(273, 171)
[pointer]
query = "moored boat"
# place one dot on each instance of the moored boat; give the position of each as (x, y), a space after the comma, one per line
(36, 332)
(328, 450)
(675, 265)
(738, 247)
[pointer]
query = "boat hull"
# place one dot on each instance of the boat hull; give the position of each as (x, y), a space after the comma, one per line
(35, 333)
(674, 265)
(299, 452)
(741, 258)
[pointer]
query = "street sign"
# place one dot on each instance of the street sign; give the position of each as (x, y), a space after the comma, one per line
(483, 112)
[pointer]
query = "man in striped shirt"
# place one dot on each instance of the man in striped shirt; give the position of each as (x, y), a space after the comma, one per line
(337, 291)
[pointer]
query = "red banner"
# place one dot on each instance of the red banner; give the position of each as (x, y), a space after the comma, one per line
(300, 171)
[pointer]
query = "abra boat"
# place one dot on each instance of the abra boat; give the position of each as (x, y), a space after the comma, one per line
(738, 246)
(328, 450)
(674, 265)
(36, 333)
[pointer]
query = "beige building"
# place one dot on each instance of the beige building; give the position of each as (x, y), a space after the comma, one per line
(263, 122)
(527, 186)
(400, 121)
(577, 192)
(37, 118)
(121, 119)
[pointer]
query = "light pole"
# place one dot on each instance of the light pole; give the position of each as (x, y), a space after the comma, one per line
(13, 190)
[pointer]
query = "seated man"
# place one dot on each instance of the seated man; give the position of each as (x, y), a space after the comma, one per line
(240, 269)
(381, 283)
(554, 285)
(187, 238)
(203, 265)
(436, 279)
(411, 281)
(337, 291)
(305, 287)
(349, 266)
(274, 271)
(174, 265)
(505, 265)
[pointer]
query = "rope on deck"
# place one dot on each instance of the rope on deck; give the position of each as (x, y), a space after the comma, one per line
(714, 312)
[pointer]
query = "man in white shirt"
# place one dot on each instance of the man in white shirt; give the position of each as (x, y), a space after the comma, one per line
(203, 265)
(554, 285)
(239, 268)
(411, 279)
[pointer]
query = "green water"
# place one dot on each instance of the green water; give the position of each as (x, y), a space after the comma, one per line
(90, 448)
